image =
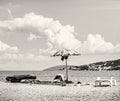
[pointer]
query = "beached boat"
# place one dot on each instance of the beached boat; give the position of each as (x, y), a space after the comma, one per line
(18, 78)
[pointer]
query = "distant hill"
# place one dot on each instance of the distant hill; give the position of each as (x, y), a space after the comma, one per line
(102, 65)
(60, 67)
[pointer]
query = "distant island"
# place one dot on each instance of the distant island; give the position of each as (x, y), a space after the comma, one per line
(98, 66)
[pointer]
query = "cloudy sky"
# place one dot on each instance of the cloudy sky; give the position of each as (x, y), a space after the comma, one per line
(31, 30)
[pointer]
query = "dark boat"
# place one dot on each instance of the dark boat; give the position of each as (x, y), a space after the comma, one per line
(18, 78)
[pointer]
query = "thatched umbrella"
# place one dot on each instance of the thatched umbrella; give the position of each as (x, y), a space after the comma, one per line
(65, 53)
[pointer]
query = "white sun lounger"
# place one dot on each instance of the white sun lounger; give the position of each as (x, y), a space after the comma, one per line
(111, 82)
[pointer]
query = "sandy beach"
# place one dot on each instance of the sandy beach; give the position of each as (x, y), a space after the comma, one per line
(59, 50)
(34, 92)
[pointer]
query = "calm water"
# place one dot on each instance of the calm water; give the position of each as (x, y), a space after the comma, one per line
(83, 76)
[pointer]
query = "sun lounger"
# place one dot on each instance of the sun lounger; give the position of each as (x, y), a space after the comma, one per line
(58, 78)
(102, 82)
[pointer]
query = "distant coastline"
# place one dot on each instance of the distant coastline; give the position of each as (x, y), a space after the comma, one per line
(97, 66)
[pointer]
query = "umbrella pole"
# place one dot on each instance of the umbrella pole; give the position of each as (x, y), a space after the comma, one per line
(66, 71)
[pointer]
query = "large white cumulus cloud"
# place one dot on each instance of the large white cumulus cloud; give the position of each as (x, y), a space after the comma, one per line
(97, 44)
(58, 36)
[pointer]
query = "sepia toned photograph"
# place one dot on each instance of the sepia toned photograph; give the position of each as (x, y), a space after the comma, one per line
(59, 50)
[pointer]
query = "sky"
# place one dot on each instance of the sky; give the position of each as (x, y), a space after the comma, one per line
(32, 30)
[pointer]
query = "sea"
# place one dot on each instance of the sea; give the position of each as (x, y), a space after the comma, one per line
(75, 76)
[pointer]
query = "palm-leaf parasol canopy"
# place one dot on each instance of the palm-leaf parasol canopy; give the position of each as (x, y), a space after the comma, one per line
(64, 54)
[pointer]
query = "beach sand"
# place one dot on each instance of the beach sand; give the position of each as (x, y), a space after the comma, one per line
(34, 92)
